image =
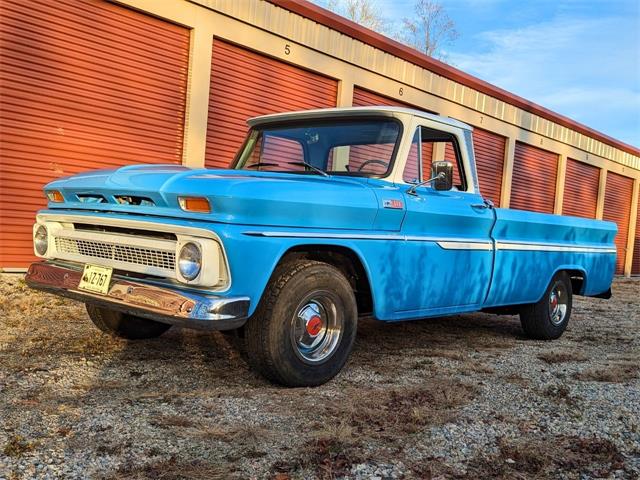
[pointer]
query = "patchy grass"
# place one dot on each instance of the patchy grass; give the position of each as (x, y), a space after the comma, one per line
(172, 421)
(173, 469)
(548, 457)
(618, 372)
(554, 357)
(186, 405)
(401, 411)
(17, 446)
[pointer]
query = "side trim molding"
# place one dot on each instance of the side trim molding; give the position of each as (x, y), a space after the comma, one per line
(445, 243)
(551, 247)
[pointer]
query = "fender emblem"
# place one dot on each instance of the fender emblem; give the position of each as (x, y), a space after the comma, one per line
(396, 204)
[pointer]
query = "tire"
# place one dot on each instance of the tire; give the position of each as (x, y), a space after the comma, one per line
(287, 339)
(545, 320)
(123, 325)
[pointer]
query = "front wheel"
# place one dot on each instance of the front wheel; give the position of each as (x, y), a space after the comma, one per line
(302, 332)
(123, 325)
(548, 318)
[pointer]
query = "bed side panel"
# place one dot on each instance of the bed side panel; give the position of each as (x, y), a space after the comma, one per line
(532, 247)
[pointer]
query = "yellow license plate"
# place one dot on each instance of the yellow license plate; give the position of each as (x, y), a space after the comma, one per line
(96, 279)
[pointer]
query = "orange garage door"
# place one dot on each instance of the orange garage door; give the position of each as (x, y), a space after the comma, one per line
(580, 189)
(84, 85)
(245, 84)
(617, 208)
(635, 266)
(533, 184)
(488, 148)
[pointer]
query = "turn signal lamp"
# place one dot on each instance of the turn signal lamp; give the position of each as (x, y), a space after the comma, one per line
(55, 196)
(194, 204)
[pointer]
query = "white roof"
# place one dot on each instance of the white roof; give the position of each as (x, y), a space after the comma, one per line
(354, 111)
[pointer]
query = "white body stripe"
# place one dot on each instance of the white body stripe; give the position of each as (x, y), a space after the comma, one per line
(462, 245)
(358, 236)
(445, 243)
(551, 247)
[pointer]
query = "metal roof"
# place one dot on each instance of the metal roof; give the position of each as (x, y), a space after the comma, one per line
(336, 22)
(354, 111)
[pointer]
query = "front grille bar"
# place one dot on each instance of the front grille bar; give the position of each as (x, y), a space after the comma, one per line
(121, 253)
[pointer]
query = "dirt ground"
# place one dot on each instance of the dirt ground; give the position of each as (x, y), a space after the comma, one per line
(458, 397)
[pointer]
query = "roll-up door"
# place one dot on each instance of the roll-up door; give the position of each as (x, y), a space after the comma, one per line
(635, 266)
(366, 98)
(84, 85)
(617, 208)
(533, 184)
(489, 148)
(580, 189)
(245, 84)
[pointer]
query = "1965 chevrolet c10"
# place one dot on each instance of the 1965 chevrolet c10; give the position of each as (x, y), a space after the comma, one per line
(325, 216)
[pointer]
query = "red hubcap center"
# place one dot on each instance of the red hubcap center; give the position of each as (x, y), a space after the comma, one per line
(314, 325)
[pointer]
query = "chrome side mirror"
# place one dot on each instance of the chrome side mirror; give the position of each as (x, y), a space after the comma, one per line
(442, 172)
(412, 190)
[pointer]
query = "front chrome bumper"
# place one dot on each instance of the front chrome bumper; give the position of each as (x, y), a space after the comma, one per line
(162, 303)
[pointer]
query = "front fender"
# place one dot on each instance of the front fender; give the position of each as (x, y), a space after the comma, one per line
(253, 258)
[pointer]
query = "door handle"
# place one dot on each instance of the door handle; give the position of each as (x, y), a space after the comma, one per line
(485, 204)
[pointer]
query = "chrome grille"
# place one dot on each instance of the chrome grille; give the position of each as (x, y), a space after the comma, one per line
(122, 253)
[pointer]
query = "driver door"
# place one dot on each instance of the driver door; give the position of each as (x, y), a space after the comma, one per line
(448, 232)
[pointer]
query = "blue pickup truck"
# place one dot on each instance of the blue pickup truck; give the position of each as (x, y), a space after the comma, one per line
(325, 216)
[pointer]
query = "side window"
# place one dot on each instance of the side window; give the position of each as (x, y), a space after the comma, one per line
(411, 172)
(430, 146)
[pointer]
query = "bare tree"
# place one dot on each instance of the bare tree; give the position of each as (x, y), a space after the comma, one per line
(430, 30)
(363, 12)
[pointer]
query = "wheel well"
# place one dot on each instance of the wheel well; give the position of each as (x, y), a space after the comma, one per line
(578, 279)
(345, 260)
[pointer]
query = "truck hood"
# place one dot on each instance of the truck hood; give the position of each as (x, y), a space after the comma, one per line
(241, 197)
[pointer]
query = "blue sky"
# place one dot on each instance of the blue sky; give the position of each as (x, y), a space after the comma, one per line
(577, 57)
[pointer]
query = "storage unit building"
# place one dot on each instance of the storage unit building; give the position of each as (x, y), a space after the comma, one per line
(84, 86)
(95, 84)
(635, 265)
(617, 208)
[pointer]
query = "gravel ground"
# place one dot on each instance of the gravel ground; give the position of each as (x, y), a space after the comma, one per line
(458, 397)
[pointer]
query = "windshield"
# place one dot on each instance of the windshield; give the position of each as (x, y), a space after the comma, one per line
(353, 147)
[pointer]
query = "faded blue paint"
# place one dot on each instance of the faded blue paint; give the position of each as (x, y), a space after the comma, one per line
(410, 274)
(522, 276)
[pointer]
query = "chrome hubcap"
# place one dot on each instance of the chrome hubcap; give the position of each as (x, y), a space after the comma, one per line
(558, 303)
(317, 327)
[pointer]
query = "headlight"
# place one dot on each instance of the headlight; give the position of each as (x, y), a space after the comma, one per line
(41, 240)
(189, 261)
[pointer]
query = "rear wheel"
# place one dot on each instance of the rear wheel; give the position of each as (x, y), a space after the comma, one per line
(123, 325)
(548, 318)
(304, 328)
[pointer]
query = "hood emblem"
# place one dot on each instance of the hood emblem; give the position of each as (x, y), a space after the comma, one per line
(395, 204)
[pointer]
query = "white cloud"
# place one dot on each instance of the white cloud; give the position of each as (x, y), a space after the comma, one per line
(588, 69)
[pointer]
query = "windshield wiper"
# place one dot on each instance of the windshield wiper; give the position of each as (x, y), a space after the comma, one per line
(315, 169)
(262, 164)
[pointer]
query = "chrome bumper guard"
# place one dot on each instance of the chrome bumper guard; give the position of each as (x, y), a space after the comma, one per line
(164, 304)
